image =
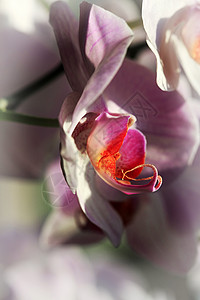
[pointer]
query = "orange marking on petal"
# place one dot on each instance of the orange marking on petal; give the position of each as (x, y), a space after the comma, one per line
(195, 51)
(107, 164)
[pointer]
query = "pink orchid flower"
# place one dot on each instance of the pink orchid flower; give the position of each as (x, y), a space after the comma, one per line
(100, 138)
(173, 33)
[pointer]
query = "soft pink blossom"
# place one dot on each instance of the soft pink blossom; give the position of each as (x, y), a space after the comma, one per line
(173, 34)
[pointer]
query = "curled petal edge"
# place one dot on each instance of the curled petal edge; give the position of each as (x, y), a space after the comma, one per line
(152, 186)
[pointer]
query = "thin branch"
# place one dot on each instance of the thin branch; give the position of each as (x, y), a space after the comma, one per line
(17, 98)
(26, 119)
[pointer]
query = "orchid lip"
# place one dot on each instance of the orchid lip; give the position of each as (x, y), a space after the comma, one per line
(158, 178)
(118, 155)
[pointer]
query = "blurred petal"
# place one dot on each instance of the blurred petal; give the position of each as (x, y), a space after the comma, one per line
(19, 155)
(150, 235)
(62, 229)
(65, 28)
(182, 200)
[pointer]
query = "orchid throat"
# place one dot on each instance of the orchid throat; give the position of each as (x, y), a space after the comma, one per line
(117, 151)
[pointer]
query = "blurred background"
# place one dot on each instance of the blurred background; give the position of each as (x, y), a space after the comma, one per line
(28, 270)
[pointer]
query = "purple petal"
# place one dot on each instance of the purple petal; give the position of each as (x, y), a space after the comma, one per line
(150, 235)
(108, 37)
(132, 153)
(79, 174)
(59, 193)
(104, 142)
(182, 199)
(66, 31)
(165, 118)
(61, 229)
(98, 211)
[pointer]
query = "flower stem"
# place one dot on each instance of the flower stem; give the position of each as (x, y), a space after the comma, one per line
(13, 101)
(29, 120)
(134, 24)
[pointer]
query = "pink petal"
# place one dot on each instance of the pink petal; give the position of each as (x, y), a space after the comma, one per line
(61, 229)
(58, 192)
(106, 137)
(107, 39)
(182, 200)
(79, 174)
(132, 153)
(103, 148)
(66, 31)
(150, 235)
(166, 119)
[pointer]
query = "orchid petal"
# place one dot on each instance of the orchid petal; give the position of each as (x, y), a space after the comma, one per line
(106, 138)
(61, 229)
(160, 76)
(162, 32)
(182, 200)
(132, 153)
(100, 212)
(106, 50)
(196, 107)
(65, 28)
(150, 235)
(67, 142)
(59, 193)
(191, 33)
(79, 173)
(103, 148)
(154, 15)
(189, 65)
(166, 119)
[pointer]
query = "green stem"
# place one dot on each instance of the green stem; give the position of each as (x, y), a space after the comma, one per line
(29, 120)
(135, 24)
(13, 101)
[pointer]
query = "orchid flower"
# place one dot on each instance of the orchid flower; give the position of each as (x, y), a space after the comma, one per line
(173, 34)
(100, 138)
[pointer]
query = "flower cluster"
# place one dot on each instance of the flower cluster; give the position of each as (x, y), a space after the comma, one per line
(117, 129)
